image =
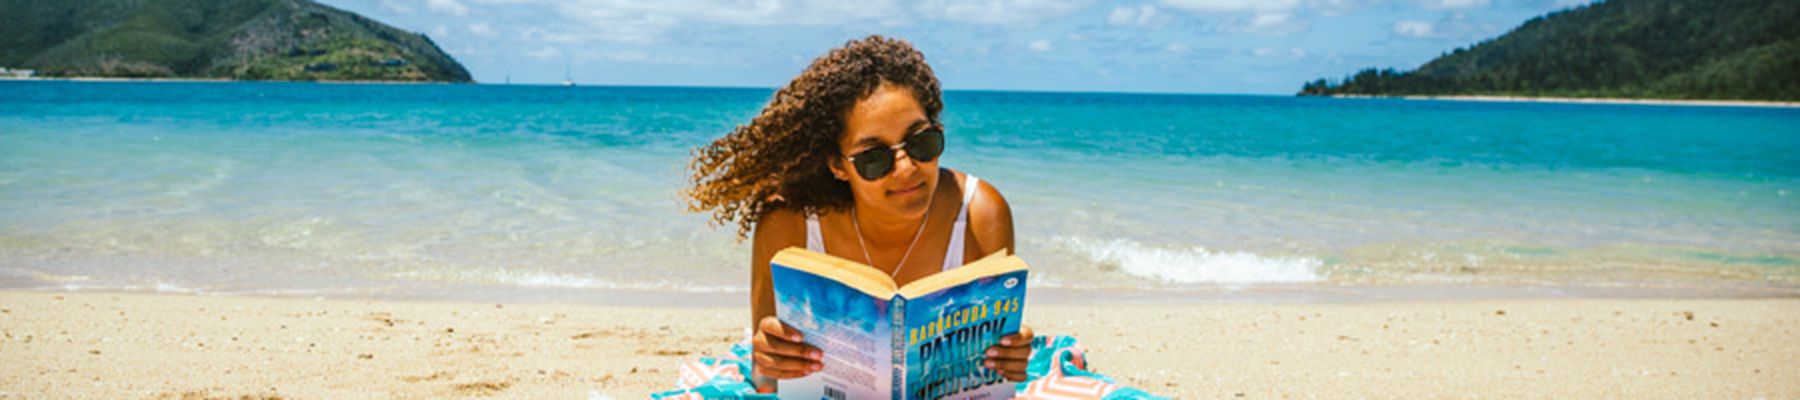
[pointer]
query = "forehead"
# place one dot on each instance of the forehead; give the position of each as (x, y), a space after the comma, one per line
(884, 116)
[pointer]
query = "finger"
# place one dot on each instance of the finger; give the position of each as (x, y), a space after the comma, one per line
(770, 325)
(783, 374)
(776, 345)
(785, 366)
(1017, 353)
(777, 374)
(1014, 376)
(1004, 365)
(1023, 337)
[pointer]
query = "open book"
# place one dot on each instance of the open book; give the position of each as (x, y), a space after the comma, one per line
(926, 340)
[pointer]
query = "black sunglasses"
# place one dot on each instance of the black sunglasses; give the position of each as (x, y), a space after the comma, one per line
(878, 161)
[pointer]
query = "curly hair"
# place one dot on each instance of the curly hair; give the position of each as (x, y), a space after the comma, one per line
(780, 159)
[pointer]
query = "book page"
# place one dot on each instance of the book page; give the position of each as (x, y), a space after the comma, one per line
(947, 334)
(849, 326)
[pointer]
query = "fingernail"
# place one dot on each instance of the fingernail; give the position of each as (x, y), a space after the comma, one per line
(816, 367)
(815, 355)
(992, 352)
(1006, 341)
(989, 364)
(794, 338)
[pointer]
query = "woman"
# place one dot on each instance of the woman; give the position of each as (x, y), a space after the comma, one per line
(844, 161)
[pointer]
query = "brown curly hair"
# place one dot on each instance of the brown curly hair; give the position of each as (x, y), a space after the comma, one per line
(780, 159)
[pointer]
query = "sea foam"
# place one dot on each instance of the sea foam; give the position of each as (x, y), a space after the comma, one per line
(1193, 264)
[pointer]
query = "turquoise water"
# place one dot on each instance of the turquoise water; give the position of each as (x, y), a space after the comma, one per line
(443, 189)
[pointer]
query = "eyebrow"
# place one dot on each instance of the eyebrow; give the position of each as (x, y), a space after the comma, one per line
(916, 126)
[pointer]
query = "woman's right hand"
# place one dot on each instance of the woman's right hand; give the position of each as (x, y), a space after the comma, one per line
(779, 352)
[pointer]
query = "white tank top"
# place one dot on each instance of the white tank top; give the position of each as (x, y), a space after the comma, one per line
(953, 256)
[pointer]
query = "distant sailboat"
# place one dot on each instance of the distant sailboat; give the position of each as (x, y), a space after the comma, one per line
(568, 80)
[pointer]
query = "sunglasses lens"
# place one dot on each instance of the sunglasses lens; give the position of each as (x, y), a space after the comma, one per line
(877, 162)
(873, 163)
(925, 146)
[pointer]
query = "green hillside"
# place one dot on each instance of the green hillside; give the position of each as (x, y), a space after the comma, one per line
(229, 39)
(1666, 49)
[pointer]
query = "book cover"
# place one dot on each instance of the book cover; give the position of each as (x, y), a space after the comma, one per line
(925, 340)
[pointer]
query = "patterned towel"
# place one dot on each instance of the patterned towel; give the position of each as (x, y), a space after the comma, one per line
(1058, 370)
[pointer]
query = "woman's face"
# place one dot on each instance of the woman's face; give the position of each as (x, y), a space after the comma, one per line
(884, 118)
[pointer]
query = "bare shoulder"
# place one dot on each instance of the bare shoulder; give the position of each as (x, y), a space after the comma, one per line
(778, 229)
(990, 219)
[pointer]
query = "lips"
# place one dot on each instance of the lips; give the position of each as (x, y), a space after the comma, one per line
(914, 189)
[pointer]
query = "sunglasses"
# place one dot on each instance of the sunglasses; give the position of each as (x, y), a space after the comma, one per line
(878, 161)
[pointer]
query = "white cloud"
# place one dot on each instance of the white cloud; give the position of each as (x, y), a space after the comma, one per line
(1456, 26)
(1268, 52)
(544, 53)
(1415, 29)
(1040, 45)
(397, 6)
(1250, 16)
(447, 6)
(1229, 6)
(997, 12)
(1331, 8)
(1452, 4)
(1280, 23)
(1142, 15)
(483, 30)
(646, 21)
(757, 13)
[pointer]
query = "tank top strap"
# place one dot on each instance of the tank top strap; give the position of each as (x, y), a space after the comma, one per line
(815, 240)
(953, 254)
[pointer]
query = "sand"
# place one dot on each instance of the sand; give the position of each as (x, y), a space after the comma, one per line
(124, 345)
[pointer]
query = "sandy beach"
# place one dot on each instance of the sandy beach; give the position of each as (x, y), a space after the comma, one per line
(127, 345)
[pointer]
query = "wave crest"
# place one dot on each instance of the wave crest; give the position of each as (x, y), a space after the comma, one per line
(1194, 264)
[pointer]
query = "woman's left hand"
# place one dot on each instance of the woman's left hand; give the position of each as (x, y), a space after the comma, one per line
(1012, 354)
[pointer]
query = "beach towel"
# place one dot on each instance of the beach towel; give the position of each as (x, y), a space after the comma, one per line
(1058, 370)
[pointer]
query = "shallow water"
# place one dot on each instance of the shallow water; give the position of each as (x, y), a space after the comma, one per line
(453, 190)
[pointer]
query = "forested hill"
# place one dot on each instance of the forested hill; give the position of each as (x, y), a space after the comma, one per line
(228, 39)
(1670, 49)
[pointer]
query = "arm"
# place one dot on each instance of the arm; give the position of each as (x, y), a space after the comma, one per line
(776, 230)
(990, 220)
(777, 351)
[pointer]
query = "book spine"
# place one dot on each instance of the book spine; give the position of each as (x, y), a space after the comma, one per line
(897, 312)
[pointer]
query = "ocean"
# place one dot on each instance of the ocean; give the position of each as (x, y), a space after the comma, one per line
(574, 193)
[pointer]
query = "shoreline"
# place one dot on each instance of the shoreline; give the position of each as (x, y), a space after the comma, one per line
(1471, 98)
(1585, 100)
(112, 345)
(1262, 293)
(220, 80)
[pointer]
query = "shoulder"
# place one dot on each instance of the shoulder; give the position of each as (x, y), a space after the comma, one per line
(990, 218)
(778, 229)
(988, 204)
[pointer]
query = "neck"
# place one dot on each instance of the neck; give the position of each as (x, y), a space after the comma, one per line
(888, 230)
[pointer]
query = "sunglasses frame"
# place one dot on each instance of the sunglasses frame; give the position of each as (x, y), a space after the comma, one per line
(893, 152)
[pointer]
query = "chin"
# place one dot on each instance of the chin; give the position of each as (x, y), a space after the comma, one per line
(913, 202)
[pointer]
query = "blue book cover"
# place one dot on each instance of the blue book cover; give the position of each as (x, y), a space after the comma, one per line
(925, 340)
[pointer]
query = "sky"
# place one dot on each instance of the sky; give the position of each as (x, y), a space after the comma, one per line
(1161, 46)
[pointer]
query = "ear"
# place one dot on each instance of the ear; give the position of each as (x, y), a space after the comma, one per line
(837, 169)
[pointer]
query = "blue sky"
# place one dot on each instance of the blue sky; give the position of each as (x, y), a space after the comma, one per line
(1187, 46)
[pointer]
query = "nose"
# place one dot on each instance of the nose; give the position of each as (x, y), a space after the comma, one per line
(903, 163)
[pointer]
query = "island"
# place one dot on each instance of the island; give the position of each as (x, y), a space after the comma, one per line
(1627, 49)
(213, 39)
